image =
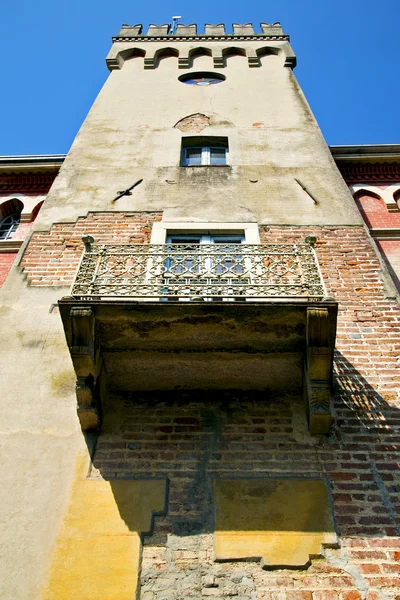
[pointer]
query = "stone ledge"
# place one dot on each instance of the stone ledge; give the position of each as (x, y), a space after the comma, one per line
(10, 246)
(386, 233)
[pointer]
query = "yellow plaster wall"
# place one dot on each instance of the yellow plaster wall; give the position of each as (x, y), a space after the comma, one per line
(98, 550)
(282, 521)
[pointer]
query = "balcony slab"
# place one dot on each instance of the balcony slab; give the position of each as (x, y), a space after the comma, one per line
(278, 346)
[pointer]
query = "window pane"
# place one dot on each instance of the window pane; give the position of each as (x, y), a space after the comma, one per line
(217, 156)
(234, 238)
(193, 156)
(9, 226)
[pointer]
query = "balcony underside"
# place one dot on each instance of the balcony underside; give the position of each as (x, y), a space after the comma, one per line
(280, 347)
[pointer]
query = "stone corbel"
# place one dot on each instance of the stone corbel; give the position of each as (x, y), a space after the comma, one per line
(149, 62)
(183, 59)
(218, 59)
(318, 370)
(113, 64)
(290, 60)
(86, 359)
(252, 58)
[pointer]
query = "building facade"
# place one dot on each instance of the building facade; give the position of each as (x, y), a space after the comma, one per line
(230, 341)
(24, 183)
(373, 175)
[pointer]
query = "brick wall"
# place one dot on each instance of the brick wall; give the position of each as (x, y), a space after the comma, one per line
(376, 215)
(191, 438)
(6, 262)
(375, 212)
(52, 257)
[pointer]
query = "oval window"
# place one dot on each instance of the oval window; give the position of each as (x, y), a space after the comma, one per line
(202, 78)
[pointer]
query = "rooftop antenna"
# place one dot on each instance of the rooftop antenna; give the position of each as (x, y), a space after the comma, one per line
(173, 25)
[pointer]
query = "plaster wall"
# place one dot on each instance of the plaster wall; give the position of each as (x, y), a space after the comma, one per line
(39, 434)
(274, 139)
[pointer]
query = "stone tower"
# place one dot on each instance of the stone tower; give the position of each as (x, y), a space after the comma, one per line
(210, 240)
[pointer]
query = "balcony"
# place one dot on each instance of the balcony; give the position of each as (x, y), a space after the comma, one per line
(194, 272)
(200, 316)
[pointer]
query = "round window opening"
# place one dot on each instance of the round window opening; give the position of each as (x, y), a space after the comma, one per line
(202, 78)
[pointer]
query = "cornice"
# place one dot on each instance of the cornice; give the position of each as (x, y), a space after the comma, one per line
(366, 152)
(26, 183)
(201, 37)
(31, 162)
(368, 172)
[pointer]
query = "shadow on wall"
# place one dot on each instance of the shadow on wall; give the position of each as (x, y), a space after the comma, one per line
(368, 431)
(366, 411)
(195, 438)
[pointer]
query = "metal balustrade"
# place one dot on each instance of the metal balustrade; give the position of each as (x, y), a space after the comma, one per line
(198, 272)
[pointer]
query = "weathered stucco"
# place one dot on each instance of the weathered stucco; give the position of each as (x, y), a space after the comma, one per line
(273, 140)
(39, 434)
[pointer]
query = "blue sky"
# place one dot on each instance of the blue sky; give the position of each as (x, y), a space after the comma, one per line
(53, 62)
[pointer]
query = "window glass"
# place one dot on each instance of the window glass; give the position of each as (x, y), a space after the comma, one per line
(197, 270)
(9, 226)
(193, 156)
(202, 78)
(204, 151)
(217, 156)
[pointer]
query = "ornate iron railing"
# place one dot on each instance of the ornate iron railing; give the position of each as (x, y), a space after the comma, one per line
(198, 272)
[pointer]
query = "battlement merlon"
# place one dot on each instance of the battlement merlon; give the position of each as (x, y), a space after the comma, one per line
(131, 41)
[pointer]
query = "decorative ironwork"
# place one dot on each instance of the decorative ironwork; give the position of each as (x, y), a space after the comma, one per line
(196, 272)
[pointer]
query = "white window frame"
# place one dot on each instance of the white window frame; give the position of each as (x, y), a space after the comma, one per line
(161, 229)
(205, 156)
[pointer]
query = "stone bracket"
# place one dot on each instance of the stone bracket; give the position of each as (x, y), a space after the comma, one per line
(183, 62)
(252, 59)
(85, 354)
(149, 62)
(218, 59)
(318, 367)
(290, 62)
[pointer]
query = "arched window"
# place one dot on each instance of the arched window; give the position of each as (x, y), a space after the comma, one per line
(10, 216)
(9, 225)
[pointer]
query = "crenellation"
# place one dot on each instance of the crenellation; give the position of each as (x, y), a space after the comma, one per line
(183, 31)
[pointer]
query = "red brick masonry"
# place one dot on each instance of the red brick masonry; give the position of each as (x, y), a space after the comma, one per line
(53, 257)
(192, 438)
(6, 262)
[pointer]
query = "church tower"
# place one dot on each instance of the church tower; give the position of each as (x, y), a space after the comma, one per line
(209, 240)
